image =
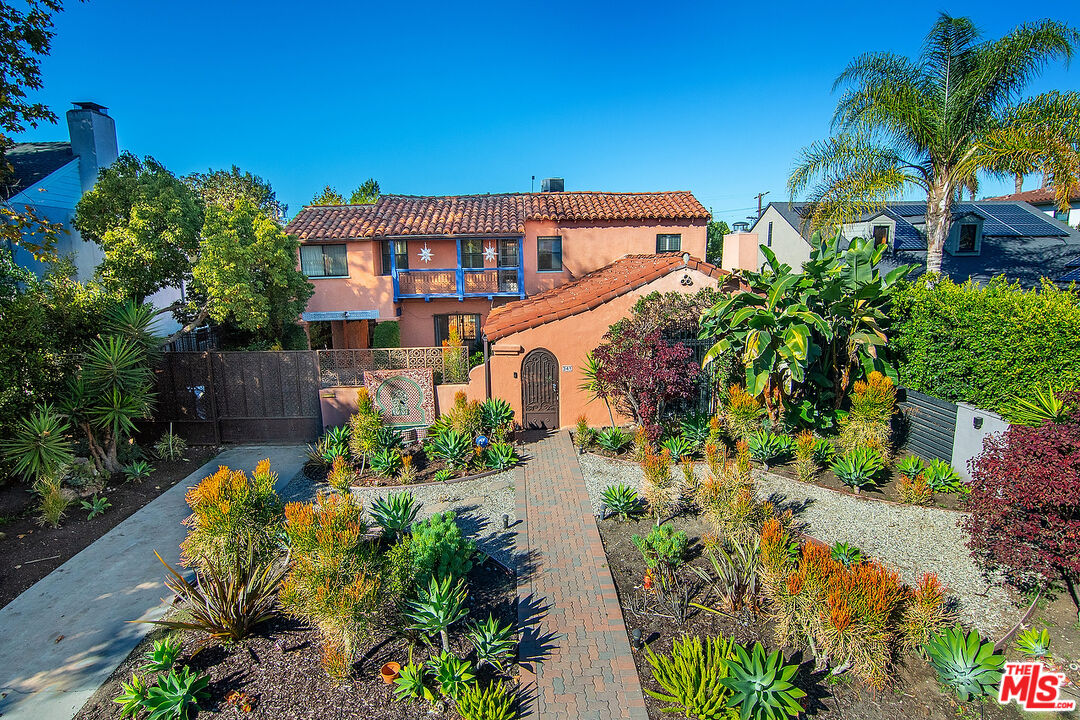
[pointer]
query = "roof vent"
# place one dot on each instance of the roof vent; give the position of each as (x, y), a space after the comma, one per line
(740, 227)
(552, 185)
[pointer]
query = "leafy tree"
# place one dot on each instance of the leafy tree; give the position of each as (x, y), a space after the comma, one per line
(935, 121)
(26, 34)
(806, 337)
(226, 187)
(328, 196)
(642, 374)
(714, 245)
(367, 193)
(246, 271)
(147, 223)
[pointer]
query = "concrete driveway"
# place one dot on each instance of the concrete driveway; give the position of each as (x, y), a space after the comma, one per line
(62, 638)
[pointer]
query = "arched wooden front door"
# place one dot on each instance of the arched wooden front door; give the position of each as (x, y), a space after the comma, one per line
(540, 389)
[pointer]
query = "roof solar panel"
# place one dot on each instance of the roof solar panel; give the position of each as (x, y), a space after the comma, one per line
(1023, 222)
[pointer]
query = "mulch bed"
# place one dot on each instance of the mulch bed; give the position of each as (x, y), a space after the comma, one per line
(29, 552)
(913, 691)
(280, 669)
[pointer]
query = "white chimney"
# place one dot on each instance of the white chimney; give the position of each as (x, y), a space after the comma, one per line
(93, 140)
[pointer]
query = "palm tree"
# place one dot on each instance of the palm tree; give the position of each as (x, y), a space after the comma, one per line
(934, 122)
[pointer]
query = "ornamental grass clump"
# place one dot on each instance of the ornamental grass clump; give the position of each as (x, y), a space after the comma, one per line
(869, 420)
(230, 512)
(341, 476)
(658, 487)
(334, 580)
(742, 413)
(806, 465)
(915, 490)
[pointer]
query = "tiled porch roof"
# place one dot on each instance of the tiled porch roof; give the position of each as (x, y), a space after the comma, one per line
(589, 292)
(409, 215)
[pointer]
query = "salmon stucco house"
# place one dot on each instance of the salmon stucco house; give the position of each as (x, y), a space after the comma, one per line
(433, 263)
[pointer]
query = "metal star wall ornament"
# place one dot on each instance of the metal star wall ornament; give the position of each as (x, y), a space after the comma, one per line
(425, 254)
(489, 253)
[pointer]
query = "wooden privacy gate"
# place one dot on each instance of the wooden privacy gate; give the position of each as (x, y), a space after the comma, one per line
(214, 397)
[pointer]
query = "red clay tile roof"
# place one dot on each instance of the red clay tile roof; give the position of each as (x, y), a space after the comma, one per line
(589, 291)
(406, 215)
(1039, 196)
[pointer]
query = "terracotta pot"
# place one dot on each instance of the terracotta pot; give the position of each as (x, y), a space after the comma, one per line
(390, 672)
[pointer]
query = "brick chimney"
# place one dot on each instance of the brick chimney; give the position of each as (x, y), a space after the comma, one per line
(93, 140)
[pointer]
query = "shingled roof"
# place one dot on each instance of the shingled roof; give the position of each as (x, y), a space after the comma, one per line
(413, 215)
(1039, 196)
(30, 163)
(589, 292)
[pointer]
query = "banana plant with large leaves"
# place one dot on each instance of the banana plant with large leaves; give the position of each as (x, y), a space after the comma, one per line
(774, 333)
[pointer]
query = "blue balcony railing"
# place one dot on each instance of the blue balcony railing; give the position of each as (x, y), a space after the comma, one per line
(459, 282)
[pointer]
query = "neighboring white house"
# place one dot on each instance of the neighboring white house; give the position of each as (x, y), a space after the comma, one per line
(51, 177)
(1045, 200)
(986, 239)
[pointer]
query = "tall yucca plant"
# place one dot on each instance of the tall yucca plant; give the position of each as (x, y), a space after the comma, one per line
(935, 121)
(40, 445)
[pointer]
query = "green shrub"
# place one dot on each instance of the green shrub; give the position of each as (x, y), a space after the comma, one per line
(695, 430)
(410, 682)
(941, 477)
(663, 548)
(974, 343)
(678, 446)
(175, 694)
(388, 438)
(438, 549)
(132, 697)
(1034, 643)
(845, 554)
(137, 471)
(387, 334)
(443, 474)
(495, 413)
(768, 447)
(95, 506)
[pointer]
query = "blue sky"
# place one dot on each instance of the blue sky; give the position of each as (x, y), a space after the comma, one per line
(454, 98)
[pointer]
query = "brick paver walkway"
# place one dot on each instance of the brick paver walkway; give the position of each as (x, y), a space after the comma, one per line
(575, 655)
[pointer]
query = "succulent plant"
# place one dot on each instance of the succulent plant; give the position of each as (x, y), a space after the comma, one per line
(621, 500)
(395, 513)
(846, 555)
(964, 662)
(1034, 643)
(859, 467)
(678, 446)
(761, 685)
(613, 439)
(439, 606)
(492, 641)
(692, 678)
(766, 446)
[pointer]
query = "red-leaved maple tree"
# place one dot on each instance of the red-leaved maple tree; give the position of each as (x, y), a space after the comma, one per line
(641, 374)
(1025, 503)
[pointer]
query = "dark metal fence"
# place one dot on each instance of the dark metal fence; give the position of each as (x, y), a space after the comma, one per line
(705, 398)
(929, 424)
(345, 368)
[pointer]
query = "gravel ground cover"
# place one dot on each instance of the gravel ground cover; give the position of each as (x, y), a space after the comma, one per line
(479, 504)
(911, 539)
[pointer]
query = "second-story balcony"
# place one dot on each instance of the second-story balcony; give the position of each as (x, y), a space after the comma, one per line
(506, 279)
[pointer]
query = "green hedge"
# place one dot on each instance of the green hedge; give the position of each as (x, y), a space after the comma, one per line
(982, 344)
(387, 334)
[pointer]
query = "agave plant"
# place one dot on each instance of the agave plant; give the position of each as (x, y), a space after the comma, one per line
(137, 471)
(452, 447)
(132, 697)
(1034, 643)
(500, 456)
(910, 465)
(439, 606)
(766, 446)
(493, 642)
(964, 662)
(1042, 407)
(846, 555)
(229, 604)
(452, 674)
(761, 685)
(175, 694)
(163, 655)
(386, 463)
(613, 439)
(395, 513)
(678, 446)
(824, 452)
(411, 683)
(494, 413)
(443, 474)
(621, 500)
(692, 678)
(858, 468)
(695, 430)
(40, 446)
(387, 438)
(941, 477)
